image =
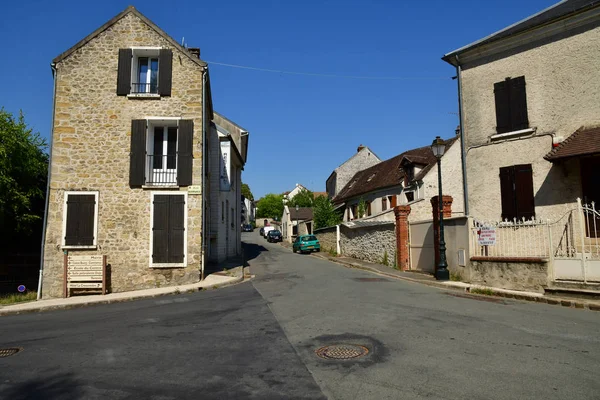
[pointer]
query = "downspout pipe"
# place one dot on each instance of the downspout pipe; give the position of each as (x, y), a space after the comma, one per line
(463, 153)
(45, 222)
(204, 156)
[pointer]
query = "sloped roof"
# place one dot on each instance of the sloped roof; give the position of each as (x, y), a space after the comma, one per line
(319, 194)
(112, 21)
(555, 12)
(581, 142)
(303, 213)
(388, 173)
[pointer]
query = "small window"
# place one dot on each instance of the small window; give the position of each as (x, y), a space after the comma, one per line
(80, 220)
(145, 71)
(383, 204)
(511, 105)
(516, 192)
(368, 208)
(410, 196)
(371, 177)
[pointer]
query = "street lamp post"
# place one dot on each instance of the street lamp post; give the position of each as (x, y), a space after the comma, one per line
(441, 274)
(297, 226)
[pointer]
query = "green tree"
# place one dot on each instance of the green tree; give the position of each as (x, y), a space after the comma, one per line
(324, 214)
(246, 192)
(304, 198)
(270, 206)
(23, 175)
(362, 208)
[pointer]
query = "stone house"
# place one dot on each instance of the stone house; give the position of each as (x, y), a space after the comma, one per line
(132, 112)
(363, 158)
(530, 112)
(296, 222)
(409, 178)
(227, 154)
(248, 211)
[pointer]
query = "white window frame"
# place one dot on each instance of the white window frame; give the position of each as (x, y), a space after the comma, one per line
(64, 221)
(150, 52)
(151, 123)
(185, 227)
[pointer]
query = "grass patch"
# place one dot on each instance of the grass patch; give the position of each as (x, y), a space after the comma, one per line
(456, 276)
(385, 260)
(485, 291)
(332, 252)
(14, 298)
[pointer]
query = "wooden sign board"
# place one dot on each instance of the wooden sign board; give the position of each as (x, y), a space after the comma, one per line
(84, 272)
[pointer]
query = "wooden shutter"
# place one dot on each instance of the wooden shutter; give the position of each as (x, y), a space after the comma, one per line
(165, 71)
(501, 95)
(160, 229)
(393, 201)
(137, 155)
(184, 152)
(523, 177)
(80, 220)
(176, 228)
(124, 72)
(518, 104)
(507, 193)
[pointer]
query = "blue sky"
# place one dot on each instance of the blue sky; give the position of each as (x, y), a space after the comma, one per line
(301, 127)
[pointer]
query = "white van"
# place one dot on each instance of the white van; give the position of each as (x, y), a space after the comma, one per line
(267, 229)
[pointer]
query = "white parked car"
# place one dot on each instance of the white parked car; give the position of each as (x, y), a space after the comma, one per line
(267, 229)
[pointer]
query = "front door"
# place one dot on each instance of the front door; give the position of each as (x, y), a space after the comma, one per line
(590, 187)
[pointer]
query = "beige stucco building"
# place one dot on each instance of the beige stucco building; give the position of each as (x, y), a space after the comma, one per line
(525, 90)
(132, 112)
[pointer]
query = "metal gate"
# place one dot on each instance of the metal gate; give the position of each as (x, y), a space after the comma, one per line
(576, 245)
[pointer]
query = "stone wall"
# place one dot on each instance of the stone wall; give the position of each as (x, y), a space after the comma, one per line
(369, 243)
(509, 274)
(90, 151)
(327, 238)
(363, 159)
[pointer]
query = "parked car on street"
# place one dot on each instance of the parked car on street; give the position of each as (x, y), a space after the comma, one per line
(274, 236)
(267, 229)
(247, 228)
(306, 243)
(262, 231)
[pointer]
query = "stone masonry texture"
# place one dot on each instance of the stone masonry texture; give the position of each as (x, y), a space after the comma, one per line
(90, 151)
(369, 243)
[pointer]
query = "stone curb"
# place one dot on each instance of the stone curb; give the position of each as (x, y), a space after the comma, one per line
(138, 296)
(466, 287)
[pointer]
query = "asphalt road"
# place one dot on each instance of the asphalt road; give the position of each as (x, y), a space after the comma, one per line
(257, 340)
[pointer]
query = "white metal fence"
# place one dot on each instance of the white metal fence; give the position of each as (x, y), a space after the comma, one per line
(517, 238)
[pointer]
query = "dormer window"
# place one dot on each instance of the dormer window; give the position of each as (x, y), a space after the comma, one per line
(371, 177)
(144, 72)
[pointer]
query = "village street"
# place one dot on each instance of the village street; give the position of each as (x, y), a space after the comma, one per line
(258, 340)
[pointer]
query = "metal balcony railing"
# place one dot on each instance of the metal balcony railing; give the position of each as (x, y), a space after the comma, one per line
(162, 169)
(144, 88)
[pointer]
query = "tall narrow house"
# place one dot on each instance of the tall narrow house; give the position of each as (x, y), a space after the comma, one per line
(131, 111)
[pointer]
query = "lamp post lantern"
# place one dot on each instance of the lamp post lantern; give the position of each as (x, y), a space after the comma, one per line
(297, 226)
(441, 273)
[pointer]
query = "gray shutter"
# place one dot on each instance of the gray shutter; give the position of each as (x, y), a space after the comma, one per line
(160, 229)
(501, 95)
(176, 228)
(80, 220)
(124, 72)
(72, 229)
(137, 159)
(518, 104)
(507, 193)
(165, 71)
(524, 191)
(185, 142)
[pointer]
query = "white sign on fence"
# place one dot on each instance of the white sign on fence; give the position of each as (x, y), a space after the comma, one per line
(486, 236)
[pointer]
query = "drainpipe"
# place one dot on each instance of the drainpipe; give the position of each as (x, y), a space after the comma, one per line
(204, 155)
(39, 290)
(463, 154)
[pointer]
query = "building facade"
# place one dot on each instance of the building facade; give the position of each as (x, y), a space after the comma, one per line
(362, 159)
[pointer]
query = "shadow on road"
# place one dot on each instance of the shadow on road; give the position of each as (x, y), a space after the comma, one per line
(60, 386)
(252, 250)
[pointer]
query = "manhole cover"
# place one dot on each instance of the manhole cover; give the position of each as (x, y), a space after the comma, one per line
(10, 351)
(342, 352)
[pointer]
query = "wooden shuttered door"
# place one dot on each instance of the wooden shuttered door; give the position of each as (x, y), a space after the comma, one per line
(168, 229)
(184, 152)
(511, 105)
(165, 72)
(516, 188)
(80, 220)
(124, 72)
(137, 155)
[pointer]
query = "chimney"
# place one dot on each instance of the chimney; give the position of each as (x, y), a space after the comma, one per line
(360, 148)
(457, 130)
(195, 51)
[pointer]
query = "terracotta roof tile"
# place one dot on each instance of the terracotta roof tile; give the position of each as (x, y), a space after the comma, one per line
(581, 142)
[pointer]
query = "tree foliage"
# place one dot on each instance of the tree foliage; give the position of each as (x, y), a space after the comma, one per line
(23, 175)
(270, 206)
(304, 198)
(246, 192)
(324, 213)
(362, 208)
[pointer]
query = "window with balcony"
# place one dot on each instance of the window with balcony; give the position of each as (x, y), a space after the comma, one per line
(144, 72)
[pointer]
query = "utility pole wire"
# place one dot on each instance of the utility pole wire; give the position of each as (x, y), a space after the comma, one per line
(380, 78)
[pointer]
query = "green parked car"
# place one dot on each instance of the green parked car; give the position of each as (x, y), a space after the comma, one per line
(306, 243)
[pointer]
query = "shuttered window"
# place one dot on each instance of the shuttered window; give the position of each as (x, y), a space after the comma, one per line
(168, 229)
(80, 218)
(516, 190)
(145, 72)
(511, 105)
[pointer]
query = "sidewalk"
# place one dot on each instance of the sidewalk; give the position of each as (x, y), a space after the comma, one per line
(212, 281)
(427, 279)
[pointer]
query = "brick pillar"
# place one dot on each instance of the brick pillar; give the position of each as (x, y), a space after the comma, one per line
(402, 249)
(447, 210)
